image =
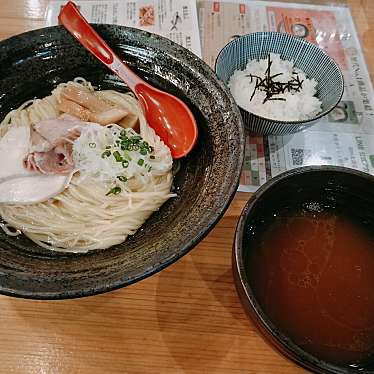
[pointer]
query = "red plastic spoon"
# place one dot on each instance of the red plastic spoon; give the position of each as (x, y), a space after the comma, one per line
(165, 113)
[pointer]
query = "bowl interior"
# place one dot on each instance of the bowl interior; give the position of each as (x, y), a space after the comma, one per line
(32, 65)
(344, 192)
(306, 56)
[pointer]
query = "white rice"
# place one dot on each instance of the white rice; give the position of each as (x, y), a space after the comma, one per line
(302, 105)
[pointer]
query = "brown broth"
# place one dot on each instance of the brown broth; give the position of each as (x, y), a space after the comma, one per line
(313, 275)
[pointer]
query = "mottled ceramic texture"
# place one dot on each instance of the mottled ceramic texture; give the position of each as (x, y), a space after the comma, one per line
(346, 191)
(31, 65)
(312, 60)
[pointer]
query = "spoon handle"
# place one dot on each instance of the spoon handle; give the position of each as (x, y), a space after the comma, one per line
(77, 25)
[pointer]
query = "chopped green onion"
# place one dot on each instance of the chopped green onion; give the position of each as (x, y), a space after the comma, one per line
(152, 157)
(122, 178)
(140, 162)
(125, 164)
(115, 191)
(92, 145)
(117, 156)
(143, 151)
(106, 153)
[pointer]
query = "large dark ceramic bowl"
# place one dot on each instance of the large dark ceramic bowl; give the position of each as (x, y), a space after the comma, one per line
(32, 64)
(346, 194)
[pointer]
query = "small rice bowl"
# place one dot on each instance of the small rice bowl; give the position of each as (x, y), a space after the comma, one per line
(288, 106)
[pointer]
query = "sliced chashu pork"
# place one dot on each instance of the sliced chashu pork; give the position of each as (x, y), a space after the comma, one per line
(51, 145)
(17, 184)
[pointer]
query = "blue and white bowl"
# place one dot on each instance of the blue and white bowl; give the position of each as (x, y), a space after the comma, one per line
(313, 61)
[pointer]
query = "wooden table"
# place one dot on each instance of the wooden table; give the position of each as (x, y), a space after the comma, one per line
(186, 319)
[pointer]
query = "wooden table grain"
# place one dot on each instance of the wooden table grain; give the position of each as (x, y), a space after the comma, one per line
(185, 319)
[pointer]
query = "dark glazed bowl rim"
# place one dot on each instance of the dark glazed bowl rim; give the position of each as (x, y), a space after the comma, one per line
(213, 216)
(248, 299)
(302, 41)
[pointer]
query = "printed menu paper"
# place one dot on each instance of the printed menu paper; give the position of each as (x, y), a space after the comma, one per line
(346, 136)
(174, 19)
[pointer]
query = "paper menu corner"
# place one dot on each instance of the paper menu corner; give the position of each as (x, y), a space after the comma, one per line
(175, 19)
(345, 136)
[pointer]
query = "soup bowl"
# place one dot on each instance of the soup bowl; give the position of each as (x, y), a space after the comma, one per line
(303, 264)
(32, 64)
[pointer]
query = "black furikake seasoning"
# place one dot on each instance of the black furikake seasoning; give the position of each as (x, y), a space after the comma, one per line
(271, 87)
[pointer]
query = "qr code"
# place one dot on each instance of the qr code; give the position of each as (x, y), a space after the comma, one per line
(300, 155)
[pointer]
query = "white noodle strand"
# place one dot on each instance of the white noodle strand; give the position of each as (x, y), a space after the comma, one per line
(83, 218)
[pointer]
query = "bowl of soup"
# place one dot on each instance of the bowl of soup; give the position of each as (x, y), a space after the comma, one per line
(90, 197)
(303, 264)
